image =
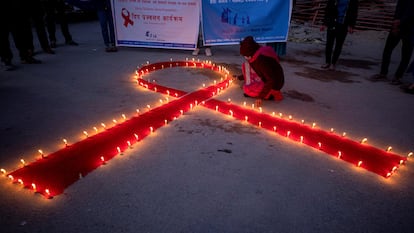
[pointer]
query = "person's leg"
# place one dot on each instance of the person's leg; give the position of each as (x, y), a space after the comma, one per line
(391, 42)
(406, 52)
(63, 21)
(111, 27)
(41, 32)
(330, 39)
(50, 18)
(104, 26)
(6, 54)
(341, 32)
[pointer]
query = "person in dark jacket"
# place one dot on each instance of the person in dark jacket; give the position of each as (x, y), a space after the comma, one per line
(340, 18)
(402, 29)
(265, 63)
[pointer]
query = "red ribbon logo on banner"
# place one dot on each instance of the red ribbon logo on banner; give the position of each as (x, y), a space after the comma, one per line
(125, 15)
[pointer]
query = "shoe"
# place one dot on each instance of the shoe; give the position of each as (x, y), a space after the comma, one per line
(195, 52)
(107, 49)
(332, 67)
(71, 42)
(53, 44)
(326, 66)
(208, 52)
(408, 88)
(114, 49)
(9, 66)
(396, 81)
(378, 77)
(30, 60)
(48, 51)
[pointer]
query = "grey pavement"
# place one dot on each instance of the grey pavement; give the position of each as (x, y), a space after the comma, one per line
(206, 172)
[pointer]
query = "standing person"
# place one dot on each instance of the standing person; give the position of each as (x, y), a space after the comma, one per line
(207, 49)
(55, 12)
(104, 12)
(18, 25)
(262, 62)
(37, 14)
(340, 18)
(401, 30)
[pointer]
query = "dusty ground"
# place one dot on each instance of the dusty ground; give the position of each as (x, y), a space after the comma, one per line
(206, 172)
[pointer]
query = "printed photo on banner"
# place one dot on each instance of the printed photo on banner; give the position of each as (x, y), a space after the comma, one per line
(172, 24)
(227, 22)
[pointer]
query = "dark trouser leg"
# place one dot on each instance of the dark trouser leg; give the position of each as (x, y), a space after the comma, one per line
(63, 20)
(391, 42)
(103, 21)
(6, 54)
(406, 52)
(330, 39)
(50, 22)
(41, 31)
(341, 32)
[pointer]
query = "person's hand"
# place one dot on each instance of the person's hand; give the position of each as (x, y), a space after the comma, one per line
(258, 103)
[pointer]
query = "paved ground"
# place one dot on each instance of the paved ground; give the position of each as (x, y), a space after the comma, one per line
(206, 172)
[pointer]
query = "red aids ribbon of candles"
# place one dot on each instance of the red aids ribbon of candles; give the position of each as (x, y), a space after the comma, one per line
(53, 173)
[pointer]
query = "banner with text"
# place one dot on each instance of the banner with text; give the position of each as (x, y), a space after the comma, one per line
(229, 21)
(170, 24)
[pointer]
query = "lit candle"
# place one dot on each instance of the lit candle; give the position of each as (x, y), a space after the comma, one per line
(280, 115)
(301, 139)
(244, 103)
(231, 113)
(288, 134)
(343, 134)
(34, 186)
(290, 117)
(274, 128)
(20, 181)
(246, 118)
(319, 145)
(123, 116)
(260, 109)
(313, 125)
(102, 159)
(260, 124)
(86, 133)
(10, 177)
(118, 149)
(394, 169)
(151, 129)
(332, 130)
(410, 154)
(339, 154)
(41, 153)
(3, 171)
(303, 122)
(65, 142)
(216, 108)
(389, 148)
(96, 129)
(359, 163)
(364, 140)
(136, 136)
(103, 125)
(129, 144)
(165, 122)
(182, 112)
(47, 192)
(23, 162)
